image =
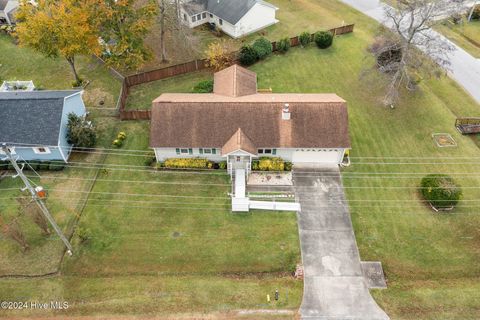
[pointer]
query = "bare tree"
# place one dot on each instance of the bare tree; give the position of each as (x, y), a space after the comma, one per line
(32, 210)
(170, 23)
(162, 5)
(13, 231)
(408, 50)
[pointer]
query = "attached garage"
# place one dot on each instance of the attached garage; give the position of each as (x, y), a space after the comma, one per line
(317, 156)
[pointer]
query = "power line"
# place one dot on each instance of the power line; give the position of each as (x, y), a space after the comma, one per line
(38, 201)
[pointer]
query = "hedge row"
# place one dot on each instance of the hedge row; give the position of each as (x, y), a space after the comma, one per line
(263, 164)
(35, 165)
(271, 164)
(262, 47)
(191, 163)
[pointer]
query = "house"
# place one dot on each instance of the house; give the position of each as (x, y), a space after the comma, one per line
(9, 86)
(34, 123)
(236, 18)
(7, 11)
(237, 124)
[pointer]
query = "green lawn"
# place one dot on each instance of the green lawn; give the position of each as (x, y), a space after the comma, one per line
(188, 254)
(198, 260)
(416, 246)
(141, 96)
(463, 34)
(18, 63)
(45, 254)
(294, 17)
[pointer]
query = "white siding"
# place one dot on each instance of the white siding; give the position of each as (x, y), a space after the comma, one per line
(11, 5)
(164, 153)
(311, 155)
(300, 155)
(259, 17)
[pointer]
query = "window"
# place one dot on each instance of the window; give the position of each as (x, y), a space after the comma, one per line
(42, 150)
(220, 21)
(184, 17)
(199, 16)
(267, 151)
(184, 151)
(194, 18)
(207, 151)
(204, 15)
(211, 15)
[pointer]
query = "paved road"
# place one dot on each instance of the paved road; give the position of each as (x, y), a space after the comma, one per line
(465, 69)
(334, 287)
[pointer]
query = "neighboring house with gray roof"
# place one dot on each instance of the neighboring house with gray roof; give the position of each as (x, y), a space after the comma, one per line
(34, 124)
(236, 18)
(7, 11)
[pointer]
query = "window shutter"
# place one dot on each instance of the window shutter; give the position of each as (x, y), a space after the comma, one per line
(274, 151)
(200, 150)
(214, 151)
(190, 151)
(177, 150)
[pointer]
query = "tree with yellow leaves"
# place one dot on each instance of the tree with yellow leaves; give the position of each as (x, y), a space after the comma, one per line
(219, 55)
(58, 28)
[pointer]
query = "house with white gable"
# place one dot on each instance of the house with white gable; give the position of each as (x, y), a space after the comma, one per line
(7, 11)
(236, 124)
(236, 18)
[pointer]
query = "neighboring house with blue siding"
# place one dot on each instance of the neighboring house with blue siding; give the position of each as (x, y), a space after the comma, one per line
(34, 124)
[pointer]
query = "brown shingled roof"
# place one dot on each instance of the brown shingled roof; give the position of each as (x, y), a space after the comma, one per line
(235, 81)
(236, 117)
(239, 141)
(212, 124)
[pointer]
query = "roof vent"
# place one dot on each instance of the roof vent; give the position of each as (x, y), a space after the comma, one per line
(286, 112)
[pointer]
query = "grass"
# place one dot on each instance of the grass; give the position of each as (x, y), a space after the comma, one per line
(430, 260)
(392, 225)
(307, 15)
(45, 254)
(164, 297)
(466, 35)
(141, 96)
(186, 254)
(18, 63)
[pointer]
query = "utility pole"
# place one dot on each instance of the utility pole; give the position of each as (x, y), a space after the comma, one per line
(36, 198)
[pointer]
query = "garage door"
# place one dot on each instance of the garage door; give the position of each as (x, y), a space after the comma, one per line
(316, 156)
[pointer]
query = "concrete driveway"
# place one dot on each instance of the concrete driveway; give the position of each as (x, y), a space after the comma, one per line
(334, 287)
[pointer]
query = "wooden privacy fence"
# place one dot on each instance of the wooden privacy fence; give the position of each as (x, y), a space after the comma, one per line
(187, 67)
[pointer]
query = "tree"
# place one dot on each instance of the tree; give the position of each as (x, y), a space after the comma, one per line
(323, 39)
(64, 29)
(414, 49)
(247, 55)
(32, 210)
(283, 45)
(305, 38)
(81, 133)
(13, 231)
(263, 47)
(440, 190)
(219, 55)
(123, 26)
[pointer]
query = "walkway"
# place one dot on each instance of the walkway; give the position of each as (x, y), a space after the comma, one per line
(464, 68)
(334, 287)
